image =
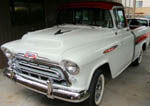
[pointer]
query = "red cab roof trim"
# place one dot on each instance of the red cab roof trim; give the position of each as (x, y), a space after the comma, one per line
(102, 5)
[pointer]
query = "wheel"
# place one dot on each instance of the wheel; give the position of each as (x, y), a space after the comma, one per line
(139, 59)
(96, 89)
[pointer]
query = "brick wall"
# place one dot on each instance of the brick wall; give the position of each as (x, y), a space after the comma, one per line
(144, 10)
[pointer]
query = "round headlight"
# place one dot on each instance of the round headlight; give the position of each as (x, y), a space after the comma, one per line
(7, 53)
(71, 67)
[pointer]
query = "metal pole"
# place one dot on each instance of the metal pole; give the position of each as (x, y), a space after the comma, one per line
(125, 3)
(129, 9)
(134, 8)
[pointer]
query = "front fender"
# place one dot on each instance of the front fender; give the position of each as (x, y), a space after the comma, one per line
(89, 58)
(97, 66)
(88, 65)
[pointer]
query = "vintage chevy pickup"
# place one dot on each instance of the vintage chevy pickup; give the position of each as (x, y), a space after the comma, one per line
(71, 60)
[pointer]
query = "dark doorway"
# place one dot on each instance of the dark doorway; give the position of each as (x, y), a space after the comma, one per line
(30, 13)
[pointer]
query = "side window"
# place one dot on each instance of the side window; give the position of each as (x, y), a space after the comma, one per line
(119, 18)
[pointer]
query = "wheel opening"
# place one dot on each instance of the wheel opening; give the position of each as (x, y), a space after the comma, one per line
(144, 47)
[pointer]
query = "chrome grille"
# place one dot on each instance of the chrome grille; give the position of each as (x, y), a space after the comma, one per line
(40, 70)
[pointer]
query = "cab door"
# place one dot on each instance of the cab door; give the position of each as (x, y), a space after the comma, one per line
(125, 40)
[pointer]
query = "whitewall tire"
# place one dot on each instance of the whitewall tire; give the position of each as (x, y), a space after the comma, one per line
(96, 89)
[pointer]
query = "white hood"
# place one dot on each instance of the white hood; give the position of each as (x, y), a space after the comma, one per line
(49, 44)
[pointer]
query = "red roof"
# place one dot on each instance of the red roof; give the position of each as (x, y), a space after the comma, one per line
(100, 4)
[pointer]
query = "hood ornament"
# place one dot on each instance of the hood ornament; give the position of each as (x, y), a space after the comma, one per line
(60, 32)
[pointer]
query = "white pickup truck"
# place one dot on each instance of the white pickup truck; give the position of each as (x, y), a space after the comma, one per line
(70, 61)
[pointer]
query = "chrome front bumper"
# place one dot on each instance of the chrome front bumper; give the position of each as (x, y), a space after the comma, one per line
(49, 89)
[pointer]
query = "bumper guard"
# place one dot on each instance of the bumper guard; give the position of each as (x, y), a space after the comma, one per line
(49, 89)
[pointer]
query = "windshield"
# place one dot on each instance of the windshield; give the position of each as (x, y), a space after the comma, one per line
(138, 22)
(96, 17)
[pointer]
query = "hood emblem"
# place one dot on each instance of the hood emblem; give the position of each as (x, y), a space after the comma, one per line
(30, 55)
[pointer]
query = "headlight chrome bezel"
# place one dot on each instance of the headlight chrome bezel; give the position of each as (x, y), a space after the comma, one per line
(9, 56)
(71, 67)
(7, 53)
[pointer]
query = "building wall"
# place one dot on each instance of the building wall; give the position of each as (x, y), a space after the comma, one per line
(5, 28)
(127, 3)
(8, 32)
(144, 11)
(146, 3)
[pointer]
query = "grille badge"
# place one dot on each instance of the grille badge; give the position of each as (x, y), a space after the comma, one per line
(30, 55)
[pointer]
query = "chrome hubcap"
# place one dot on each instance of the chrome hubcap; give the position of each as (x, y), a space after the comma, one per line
(99, 89)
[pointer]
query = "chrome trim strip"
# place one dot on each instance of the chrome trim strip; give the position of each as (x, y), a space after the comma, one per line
(39, 68)
(39, 74)
(41, 60)
(31, 78)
